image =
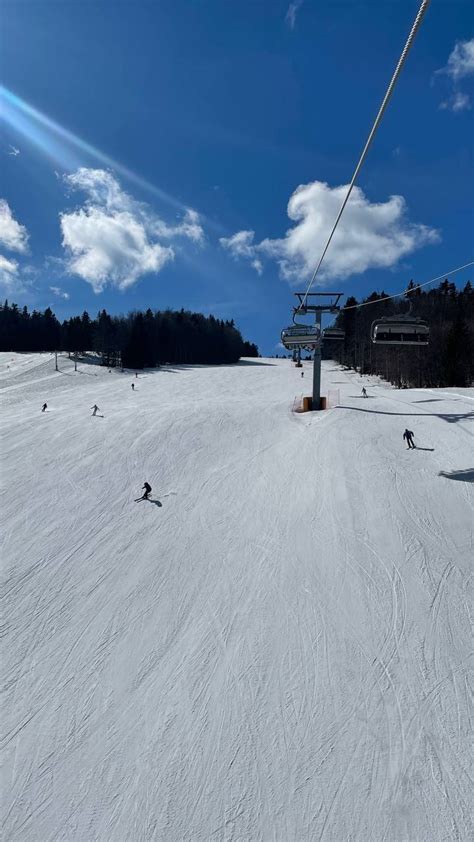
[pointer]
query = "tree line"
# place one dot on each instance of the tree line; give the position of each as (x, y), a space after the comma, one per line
(137, 340)
(448, 360)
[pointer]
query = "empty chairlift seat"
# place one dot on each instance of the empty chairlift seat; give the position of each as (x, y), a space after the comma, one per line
(333, 333)
(400, 332)
(300, 336)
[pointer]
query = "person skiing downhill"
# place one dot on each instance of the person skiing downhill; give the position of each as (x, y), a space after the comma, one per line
(44, 407)
(364, 392)
(408, 435)
(133, 387)
(147, 488)
(95, 409)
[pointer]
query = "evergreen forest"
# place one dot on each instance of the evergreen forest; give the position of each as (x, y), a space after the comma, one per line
(137, 340)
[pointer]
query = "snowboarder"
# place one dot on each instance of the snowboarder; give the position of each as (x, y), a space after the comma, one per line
(408, 435)
(44, 407)
(133, 387)
(147, 488)
(364, 392)
(95, 409)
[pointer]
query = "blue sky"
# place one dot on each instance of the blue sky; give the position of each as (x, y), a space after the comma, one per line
(151, 152)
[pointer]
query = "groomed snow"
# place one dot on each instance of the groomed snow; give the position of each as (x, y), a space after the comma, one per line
(274, 648)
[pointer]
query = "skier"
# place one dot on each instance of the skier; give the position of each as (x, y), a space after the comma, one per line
(95, 408)
(136, 374)
(44, 407)
(133, 387)
(408, 435)
(147, 488)
(364, 392)
(302, 373)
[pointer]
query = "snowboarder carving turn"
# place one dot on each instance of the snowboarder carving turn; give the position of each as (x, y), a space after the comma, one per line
(44, 407)
(408, 435)
(95, 409)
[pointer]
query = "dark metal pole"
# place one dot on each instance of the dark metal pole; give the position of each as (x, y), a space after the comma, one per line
(316, 401)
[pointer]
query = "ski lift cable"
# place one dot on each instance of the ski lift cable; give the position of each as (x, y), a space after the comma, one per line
(408, 291)
(398, 69)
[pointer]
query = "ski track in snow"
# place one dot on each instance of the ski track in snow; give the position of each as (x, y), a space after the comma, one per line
(278, 653)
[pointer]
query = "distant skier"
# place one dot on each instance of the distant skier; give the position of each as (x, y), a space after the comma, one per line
(364, 392)
(408, 435)
(133, 387)
(95, 409)
(136, 374)
(44, 407)
(302, 373)
(147, 491)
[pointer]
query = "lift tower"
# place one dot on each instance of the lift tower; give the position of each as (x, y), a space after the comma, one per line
(327, 302)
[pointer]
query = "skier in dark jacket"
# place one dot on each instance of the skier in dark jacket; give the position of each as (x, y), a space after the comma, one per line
(408, 435)
(147, 490)
(44, 407)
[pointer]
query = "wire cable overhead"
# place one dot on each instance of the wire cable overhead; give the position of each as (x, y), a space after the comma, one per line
(408, 291)
(388, 94)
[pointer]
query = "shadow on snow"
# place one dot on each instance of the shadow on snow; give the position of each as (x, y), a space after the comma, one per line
(466, 475)
(451, 417)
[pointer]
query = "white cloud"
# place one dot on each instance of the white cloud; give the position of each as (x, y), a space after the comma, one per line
(59, 292)
(110, 248)
(112, 238)
(292, 11)
(457, 102)
(8, 273)
(369, 235)
(460, 64)
(240, 244)
(188, 227)
(13, 236)
(461, 61)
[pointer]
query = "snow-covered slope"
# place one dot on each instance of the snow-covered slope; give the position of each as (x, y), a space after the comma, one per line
(273, 648)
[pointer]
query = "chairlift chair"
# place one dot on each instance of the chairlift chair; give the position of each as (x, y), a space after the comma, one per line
(333, 333)
(399, 331)
(300, 336)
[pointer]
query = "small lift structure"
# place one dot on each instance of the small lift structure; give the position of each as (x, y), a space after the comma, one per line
(316, 303)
